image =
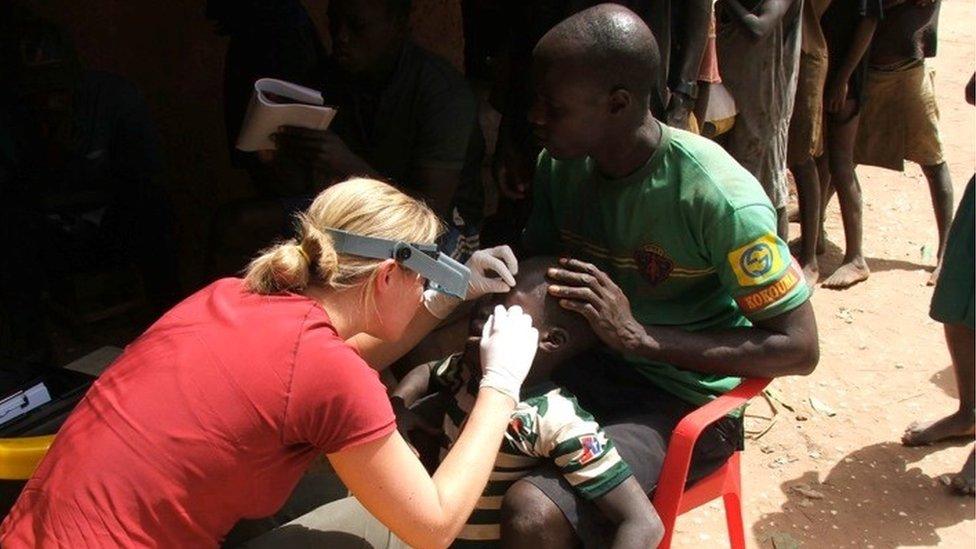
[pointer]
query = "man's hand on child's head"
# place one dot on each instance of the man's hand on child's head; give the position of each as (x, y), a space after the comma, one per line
(583, 288)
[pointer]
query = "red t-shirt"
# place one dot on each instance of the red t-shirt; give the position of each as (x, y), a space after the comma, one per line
(210, 416)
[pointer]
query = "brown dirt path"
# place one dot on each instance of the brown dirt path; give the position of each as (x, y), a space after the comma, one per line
(883, 365)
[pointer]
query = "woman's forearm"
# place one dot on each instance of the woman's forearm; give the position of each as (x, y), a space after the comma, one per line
(463, 474)
(391, 483)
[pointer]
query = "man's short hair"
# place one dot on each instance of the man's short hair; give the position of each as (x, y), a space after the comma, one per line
(611, 43)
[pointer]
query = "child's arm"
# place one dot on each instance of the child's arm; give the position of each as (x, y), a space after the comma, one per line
(553, 426)
(837, 89)
(415, 384)
(767, 16)
(419, 382)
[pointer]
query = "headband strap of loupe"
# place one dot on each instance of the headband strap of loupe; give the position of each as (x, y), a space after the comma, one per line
(444, 273)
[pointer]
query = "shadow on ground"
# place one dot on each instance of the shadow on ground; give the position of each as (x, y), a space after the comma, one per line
(874, 497)
(834, 254)
(879, 265)
(945, 379)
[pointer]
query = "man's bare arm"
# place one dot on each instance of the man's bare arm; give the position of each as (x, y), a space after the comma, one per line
(786, 344)
(780, 346)
(836, 93)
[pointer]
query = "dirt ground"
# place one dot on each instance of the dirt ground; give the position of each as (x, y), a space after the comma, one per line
(883, 364)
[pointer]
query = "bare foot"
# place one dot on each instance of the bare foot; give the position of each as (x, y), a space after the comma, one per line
(822, 242)
(957, 425)
(811, 272)
(964, 483)
(848, 274)
(935, 274)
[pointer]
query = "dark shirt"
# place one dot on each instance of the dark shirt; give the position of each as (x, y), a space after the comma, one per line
(907, 32)
(112, 145)
(839, 23)
(424, 117)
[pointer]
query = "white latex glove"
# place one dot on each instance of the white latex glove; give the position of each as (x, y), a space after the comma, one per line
(499, 260)
(508, 346)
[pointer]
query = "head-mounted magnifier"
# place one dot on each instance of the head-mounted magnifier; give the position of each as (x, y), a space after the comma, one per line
(443, 273)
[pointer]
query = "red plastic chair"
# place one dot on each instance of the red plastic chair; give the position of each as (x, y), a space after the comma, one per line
(672, 498)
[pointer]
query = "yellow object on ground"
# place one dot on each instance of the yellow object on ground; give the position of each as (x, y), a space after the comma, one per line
(20, 456)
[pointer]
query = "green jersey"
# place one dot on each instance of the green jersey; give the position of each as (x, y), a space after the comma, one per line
(690, 238)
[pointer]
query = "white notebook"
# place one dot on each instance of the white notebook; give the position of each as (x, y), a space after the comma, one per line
(287, 105)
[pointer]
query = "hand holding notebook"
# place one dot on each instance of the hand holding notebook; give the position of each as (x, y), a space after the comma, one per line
(278, 103)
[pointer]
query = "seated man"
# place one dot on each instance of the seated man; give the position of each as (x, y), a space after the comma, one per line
(676, 266)
(547, 426)
(403, 115)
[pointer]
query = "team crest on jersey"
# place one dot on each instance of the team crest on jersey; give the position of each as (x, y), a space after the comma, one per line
(591, 447)
(654, 263)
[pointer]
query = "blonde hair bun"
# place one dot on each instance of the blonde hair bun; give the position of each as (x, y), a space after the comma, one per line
(361, 206)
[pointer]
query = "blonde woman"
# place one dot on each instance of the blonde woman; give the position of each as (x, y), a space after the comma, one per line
(214, 413)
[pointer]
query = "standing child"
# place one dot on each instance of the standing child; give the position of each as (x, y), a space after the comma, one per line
(954, 305)
(805, 142)
(848, 27)
(758, 45)
(900, 119)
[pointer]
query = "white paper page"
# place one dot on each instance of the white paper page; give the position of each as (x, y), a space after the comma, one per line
(289, 90)
(263, 116)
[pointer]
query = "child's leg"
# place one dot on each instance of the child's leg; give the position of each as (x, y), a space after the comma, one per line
(783, 224)
(940, 187)
(841, 133)
(960, 424)
(826, 191)
(629, 508)
(808, 195)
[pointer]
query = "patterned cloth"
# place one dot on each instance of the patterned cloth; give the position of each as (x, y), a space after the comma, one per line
(761, 76)
(549, 425)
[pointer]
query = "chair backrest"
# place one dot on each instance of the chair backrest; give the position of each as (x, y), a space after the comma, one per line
(19, 456)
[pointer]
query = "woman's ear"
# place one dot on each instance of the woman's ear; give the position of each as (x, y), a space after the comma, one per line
(553, 339)
(385, 275)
